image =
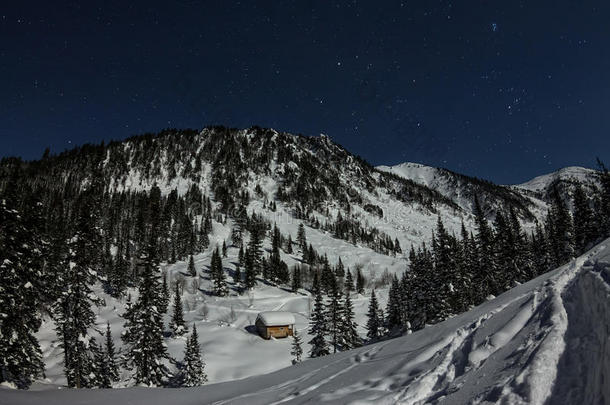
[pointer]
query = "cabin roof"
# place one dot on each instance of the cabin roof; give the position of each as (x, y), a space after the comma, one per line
(276, 318)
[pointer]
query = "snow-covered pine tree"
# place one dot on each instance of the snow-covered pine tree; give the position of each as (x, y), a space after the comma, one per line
(486, 265)
(249, 270)
(143, 335)
(393, 309)
(74, 316)
(191, 267)
(349, 282)
(100, 375)
(162, 302)
(224, 248)
(359, 282)
(20, 245)
(334, 315)
(560, 230)
(193, 373)
(296, 278)
(255, 246)
(317, 328)
(349, 333)
(302, 237)
(584, 226)
(240, 256)
(177, 323)
(111, 355)
(289, 244)
(373, 324)
(218, 275)
(296, 348)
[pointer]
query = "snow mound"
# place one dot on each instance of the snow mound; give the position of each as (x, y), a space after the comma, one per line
(545, 341)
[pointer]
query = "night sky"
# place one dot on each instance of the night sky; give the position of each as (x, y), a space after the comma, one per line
(504, 90)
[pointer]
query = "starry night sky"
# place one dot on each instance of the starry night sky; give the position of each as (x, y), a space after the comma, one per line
(504, 90)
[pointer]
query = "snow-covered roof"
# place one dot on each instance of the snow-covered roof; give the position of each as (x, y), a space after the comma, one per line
(276, 318)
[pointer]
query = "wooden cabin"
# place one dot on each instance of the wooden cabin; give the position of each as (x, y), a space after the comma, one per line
(275, 324)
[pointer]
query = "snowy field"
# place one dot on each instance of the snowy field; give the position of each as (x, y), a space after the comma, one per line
(545, 341)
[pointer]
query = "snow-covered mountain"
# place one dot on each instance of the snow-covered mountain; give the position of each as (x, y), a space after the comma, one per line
(366, 217)
(462, 189)
(542, 342)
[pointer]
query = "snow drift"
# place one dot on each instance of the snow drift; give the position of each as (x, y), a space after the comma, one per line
(545, 341)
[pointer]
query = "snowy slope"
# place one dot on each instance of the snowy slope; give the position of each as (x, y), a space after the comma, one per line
(462, 190)
(541, 183)
(529, 345)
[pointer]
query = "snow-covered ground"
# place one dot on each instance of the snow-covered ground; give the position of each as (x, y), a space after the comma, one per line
(545, 341)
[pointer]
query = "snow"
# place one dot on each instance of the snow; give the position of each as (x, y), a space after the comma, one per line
(540, 183)
(545, 341)
(276, 318)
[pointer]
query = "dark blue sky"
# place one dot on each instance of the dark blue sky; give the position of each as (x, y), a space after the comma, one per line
(504, 90)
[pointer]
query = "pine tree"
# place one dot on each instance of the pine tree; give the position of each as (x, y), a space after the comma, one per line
(74, 316)
(296, 279)
(143, 334)
(297, 350)
(100, 373)
(162, 302)
(484, 276)
(349, 282)
(218, 275)
(250, 271)
(224, 249)
(193, 373)
(20, 355)
(359, 282)
(111, 356)
(191, 267)
(177, 322)
(349, 332)
(301, 237)
(584, 227)
(319, 346)
(240, 257)
(289, 245)
(255, 251)
(373, 324)
(334, 317)
(560, 228)
(394, 319)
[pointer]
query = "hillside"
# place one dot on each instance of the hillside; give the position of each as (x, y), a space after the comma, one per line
(296, 219)
(526, 346)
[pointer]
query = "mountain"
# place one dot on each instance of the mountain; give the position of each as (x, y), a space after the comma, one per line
(462, 189)
(541, 342)
(283, 211)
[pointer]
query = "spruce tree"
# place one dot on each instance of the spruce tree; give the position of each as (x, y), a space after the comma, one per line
(193, 373)
(394, 319)
(373, 324)
(177, 322)
(218, 275)
(111, 356)
(143, 335)
(74, 316)
(301, 237)
(296, 278)
(349, 282)
(349, 332)
(317, 328)
(334, 317)
(224, 249)
(191, 267)
(359, 282)
(20, 355)
(296, 350)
